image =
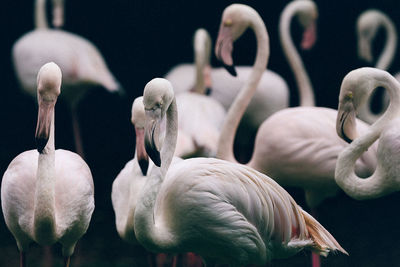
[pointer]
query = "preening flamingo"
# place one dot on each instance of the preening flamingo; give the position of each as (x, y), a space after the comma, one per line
(225, 212)
(295, 146)
(80, 61)
(47, 195)
(355, 90)
(368, 24)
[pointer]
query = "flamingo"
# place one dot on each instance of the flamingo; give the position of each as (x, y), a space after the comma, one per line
(368, 24)
(47, 195)
(355, 90)
(225, 212)
(130, 182)
(80, 61)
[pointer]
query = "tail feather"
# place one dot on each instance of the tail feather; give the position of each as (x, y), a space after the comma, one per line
(324, 242)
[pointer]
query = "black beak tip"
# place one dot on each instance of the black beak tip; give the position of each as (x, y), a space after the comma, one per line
(41, 144)
(144, 166)
(120, 91)
(208, 91)
(231, 69)
(156, 158)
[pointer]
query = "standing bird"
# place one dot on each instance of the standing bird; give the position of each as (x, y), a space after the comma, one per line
(368, 24)
(80, 61)
(225, 212)
(130, 181)
(356, 87)
(47, 196)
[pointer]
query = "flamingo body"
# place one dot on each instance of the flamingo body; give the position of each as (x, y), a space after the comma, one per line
(74, 199)
(304, 149)
(80, 61)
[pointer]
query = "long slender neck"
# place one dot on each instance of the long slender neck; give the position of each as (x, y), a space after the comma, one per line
(306, 94)
(389, 50)
(40, 15)
(242, 100)
(202, 59)
(44, 220)
(345, 176)
(153, 235)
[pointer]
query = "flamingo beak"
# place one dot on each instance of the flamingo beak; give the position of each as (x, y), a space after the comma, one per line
(150, 137)
(142, 156)
(309, 36)
(43, 125)
(364, 49)
(224, 48)
(346, 123)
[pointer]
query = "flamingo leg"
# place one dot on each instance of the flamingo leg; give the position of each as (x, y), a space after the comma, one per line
(22, 259)
(315, 258)
(67, 261)
(77, 133)
(48, 257)
(150, 259)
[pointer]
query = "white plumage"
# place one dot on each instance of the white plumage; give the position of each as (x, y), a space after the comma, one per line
(47, 197)
(355, 90)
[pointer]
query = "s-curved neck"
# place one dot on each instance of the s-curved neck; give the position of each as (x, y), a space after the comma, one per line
(153, 236)
(44, 219)
(306, 93)
(345, 176)
(40, 15)
(242, 100)
(386, 58)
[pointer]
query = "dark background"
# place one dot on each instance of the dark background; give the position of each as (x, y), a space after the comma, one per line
(141, 40)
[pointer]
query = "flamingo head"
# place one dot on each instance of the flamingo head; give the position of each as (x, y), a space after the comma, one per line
(48, 89)
(157, 97)
(307, 17)
(367, 27)
(234, 23)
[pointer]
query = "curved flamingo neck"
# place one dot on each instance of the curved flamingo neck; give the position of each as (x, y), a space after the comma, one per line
(40, 15)
(151, 235)
(386, 58)
(242, 100)
(345, 176)
(44, 220)
(306, 93)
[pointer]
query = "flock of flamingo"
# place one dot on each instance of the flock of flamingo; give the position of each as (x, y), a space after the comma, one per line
(184, 192)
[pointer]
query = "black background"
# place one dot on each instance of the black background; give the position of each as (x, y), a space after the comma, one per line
(141, 40)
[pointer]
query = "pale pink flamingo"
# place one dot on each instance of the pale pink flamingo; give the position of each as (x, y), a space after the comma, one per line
(80, 61)
(47, 195)
(356, 87)
(223, 211)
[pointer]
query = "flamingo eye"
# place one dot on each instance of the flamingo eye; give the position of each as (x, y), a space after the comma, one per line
(228, 22)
